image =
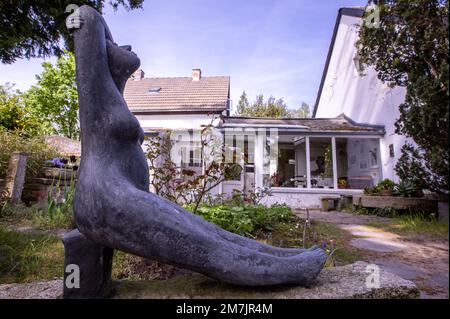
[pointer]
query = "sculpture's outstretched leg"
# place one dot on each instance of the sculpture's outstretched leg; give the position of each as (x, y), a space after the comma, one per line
(152, 227)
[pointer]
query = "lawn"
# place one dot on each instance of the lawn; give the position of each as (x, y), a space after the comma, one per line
(26, 257)
(416, 226)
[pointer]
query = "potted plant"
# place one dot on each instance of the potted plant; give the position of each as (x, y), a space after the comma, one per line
(386, 187)
(370, 191)
(407, 189)
(342, 182)
(275, 180)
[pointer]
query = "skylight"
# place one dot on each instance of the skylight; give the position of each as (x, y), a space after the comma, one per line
(154, 89)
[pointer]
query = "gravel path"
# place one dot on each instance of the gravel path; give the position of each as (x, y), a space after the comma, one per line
(422, 260)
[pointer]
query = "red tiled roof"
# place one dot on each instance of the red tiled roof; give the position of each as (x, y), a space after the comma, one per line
(178, 94)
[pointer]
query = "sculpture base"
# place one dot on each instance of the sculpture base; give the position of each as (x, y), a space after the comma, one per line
(87, 268)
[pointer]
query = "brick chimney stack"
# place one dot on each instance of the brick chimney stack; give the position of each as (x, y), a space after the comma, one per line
(138, 75)
(196, 74)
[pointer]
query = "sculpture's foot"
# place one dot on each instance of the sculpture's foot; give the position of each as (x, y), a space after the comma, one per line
(87, 267)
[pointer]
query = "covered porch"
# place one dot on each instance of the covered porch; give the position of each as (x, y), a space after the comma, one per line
(302, 160)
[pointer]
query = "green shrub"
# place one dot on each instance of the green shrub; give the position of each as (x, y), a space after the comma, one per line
(246, 220)
(371, 191)
(385, 184)
(405, 189)
(36, 147)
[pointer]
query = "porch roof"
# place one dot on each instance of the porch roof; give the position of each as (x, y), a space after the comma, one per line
(307, 126)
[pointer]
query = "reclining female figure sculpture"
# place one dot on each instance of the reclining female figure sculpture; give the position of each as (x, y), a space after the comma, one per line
(113, 206)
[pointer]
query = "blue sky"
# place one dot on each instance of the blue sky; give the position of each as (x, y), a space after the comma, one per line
(274, 47)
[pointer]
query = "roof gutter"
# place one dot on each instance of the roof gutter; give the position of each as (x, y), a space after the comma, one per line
(240, 125)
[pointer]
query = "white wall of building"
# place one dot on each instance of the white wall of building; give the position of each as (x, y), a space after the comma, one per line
(174, 121)
(363, 98)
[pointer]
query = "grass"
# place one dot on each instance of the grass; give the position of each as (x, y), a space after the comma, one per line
(38, 216)
(330, 237)
(415, 225)
(54, 213)
(29, 257)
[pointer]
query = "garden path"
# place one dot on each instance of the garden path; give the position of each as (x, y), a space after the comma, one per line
(420, 258)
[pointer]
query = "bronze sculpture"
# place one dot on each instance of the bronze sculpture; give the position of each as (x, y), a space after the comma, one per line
(113, 207)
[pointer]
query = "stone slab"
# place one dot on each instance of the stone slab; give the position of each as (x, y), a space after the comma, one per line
(345, 282)
(396, 202)
(333, 283)
(34, 290)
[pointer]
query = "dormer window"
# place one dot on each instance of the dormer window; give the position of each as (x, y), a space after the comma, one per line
(154, 89)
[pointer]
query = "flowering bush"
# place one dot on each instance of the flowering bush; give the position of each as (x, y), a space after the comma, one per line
(38, 151)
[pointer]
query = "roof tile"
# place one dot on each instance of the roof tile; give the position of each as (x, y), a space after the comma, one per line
(178, 93)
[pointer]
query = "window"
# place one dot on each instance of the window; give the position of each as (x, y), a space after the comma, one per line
(358, 162)
(321, 162)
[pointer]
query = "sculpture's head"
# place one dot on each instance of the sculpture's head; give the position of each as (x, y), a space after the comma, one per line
(122, 62)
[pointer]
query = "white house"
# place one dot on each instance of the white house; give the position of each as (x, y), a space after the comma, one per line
(348, 145)
(360, 95)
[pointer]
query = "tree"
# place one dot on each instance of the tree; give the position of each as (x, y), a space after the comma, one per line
(243, 104)
(54, 98)
(410, 49)
(15, 116)
(272, 108)
(38, 28)
(301, 112)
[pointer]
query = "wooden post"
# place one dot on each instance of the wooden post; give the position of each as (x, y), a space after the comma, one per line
(308, 163)
(15, 178)
(334, 159)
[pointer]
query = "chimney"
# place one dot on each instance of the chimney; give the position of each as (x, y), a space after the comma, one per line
(138, 75)
(196, 74)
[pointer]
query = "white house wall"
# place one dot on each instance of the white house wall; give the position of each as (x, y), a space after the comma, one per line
(365, 99)
(174, 121)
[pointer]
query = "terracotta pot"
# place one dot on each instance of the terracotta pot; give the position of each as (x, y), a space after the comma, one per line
(386, 192)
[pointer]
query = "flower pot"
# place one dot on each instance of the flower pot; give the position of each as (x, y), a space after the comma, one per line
(386, 192)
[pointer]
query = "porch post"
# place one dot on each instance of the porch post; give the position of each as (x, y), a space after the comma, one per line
(333, 152)
(308, 164)
(259, 157)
